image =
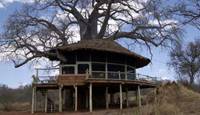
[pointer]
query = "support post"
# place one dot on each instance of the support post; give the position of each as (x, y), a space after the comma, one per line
(106, 96)
(90, 96)
(33, 108)
(120, 93)
(127, 99)
(76, 98)
(139, 96)
(126, 76)
(46, 101)
(60, 99)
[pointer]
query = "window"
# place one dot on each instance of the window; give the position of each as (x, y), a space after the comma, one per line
(131, 73)
(68, 70)
(82, 68)
(98, 67)
(116, 68)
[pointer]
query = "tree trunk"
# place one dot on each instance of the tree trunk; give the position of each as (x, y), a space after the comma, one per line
(89, 30)
(191, 80)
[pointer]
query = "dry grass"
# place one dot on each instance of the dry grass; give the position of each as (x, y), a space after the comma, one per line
(172, 99)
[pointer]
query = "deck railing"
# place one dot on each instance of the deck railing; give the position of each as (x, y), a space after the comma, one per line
(111, 75)
(49, 75)
(45, 75)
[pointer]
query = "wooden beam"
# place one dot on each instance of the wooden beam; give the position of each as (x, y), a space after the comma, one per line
(106, 96)
(127, 99)
(90, 96)
(46, 100)
(60, 99)
(120, 94)
(33, 100)
(76, 98)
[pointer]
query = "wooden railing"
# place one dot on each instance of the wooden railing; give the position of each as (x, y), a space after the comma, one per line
(48, 76)
(111, 75)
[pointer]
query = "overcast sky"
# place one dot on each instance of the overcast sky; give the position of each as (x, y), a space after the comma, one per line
(14, 77)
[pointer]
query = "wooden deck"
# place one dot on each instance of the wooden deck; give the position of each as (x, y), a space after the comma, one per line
(81, 80)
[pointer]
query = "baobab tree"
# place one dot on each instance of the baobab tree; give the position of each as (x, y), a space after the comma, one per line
(45, 24)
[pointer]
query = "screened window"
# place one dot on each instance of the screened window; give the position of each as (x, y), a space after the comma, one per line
(68, 70)
(131, 73)
(82, 68)
(98, 67)
(116, 68)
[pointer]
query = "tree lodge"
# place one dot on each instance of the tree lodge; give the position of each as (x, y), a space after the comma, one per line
(94, 71)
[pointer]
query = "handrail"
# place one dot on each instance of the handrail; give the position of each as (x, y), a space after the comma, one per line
(111, 75)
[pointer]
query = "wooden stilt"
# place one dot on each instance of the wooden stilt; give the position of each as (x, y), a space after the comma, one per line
(139, 96)
(120, 94)
(76, 98)
(90, 96)
(46, 101)
(60, 99)
(33, 100)
(106, 96)
(127, 99)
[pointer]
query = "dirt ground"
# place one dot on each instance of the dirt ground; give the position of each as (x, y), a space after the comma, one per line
(129, 111)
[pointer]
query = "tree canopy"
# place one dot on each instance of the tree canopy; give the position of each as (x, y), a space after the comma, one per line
(186, 61)
(45, 24)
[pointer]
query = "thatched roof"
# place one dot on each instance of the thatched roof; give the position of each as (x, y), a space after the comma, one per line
(105, 46)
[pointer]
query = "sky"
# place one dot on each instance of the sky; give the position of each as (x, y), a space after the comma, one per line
(14, 77)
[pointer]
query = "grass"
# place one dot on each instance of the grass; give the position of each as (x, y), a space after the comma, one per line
(172, 99)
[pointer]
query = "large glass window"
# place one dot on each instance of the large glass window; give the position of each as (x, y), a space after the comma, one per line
(116, 71)
(98, 67)
(116, 68)
(82, 68)
(68, 70)
(131, 73)
(98, 70)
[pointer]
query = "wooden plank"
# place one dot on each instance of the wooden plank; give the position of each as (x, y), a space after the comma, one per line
(78, 79)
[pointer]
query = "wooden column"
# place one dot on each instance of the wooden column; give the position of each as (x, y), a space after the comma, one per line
(126, 76)
(90, 97)
(120, 94)
(33, 108)
(76, 98)
(46, 101)
(106, 96)
(127, 99)
(60, 99)
(139, 96)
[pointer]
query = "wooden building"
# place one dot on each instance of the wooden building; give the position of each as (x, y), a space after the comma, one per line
(93, 72)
